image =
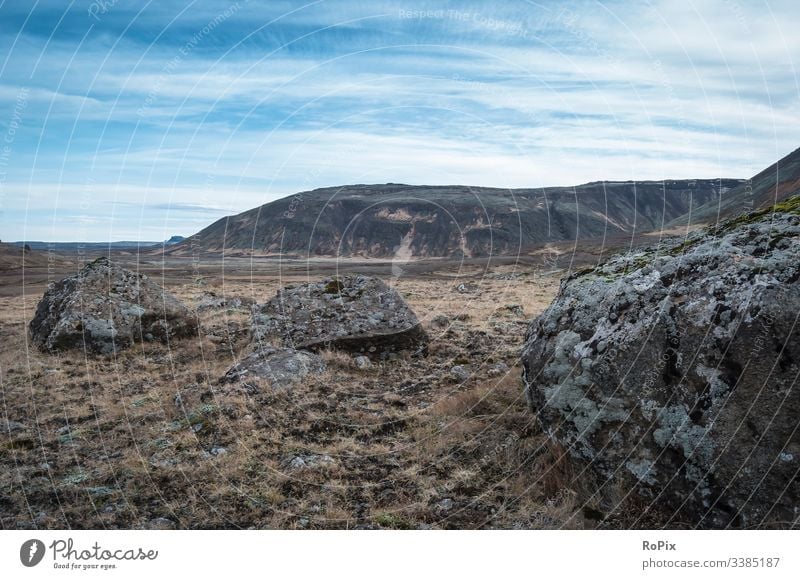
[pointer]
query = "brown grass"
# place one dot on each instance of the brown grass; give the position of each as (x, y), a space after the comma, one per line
(118, 442)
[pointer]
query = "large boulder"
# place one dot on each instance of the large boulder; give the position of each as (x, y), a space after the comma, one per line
(104, 308)
(673, 373)
(354, 313)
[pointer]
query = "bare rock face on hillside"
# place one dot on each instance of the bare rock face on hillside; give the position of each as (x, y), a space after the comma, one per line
(104, 308)
(280, 367)
(674, 372)
(394, 220)
(354, 313)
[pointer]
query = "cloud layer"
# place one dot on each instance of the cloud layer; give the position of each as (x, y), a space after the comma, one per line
(144, 122)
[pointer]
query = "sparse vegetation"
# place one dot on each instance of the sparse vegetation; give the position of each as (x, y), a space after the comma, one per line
(118, 442)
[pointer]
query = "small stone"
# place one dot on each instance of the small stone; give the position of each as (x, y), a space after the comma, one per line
(498, 369)
(12, 426)
(161, 524)
(307, 461)
(362, 362)
(445, 504)
(440, 321)
(515, 310)
(281, 367)
(467, 288)
(460, 373)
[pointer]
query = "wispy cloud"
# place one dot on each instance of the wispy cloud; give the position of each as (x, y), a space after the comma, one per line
(177, 114)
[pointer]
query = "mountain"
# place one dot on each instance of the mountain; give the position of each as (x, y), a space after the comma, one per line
(776, 183)
(174, 239)
(408, 221)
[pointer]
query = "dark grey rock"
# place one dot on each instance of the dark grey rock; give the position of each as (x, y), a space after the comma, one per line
(281, 367)
(440, 321)
(104, 308)
(353, 313)
(212, 301)
(674, 372)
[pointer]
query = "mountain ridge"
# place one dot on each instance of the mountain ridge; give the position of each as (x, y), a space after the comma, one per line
(401, 221)
(769, 186)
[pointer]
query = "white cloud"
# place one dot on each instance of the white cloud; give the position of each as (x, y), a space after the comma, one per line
(510, 95)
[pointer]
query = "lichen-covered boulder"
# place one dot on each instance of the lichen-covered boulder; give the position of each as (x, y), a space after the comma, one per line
(673, 373)
(354, 313)
(280, 367)
(104, 308)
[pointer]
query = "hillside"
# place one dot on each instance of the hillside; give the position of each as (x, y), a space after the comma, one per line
(776, 183)
(448, 221)
(15, 257)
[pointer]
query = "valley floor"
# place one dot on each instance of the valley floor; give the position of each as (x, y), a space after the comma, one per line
(151, 438)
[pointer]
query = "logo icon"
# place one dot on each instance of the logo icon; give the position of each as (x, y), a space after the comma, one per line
(31, 553)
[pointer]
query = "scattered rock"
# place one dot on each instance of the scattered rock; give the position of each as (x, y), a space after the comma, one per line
(281, 367)
(211, 301)
(12, 427)
(514, 275)
(354, 313)
(161, 524)
(498, 369)
(467, 288)
(444, 505)
(440, 321)
(304, 461)
(104, 308)
(673, 372)
(460, 373)
(362, 362)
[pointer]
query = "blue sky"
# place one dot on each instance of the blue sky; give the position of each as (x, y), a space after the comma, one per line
(141, 120)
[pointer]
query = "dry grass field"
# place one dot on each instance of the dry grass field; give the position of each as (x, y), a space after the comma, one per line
(150, 437)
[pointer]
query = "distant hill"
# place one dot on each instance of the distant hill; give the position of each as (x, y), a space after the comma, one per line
(13, 256)
(449, 221)
(70, 246)
(777, 182)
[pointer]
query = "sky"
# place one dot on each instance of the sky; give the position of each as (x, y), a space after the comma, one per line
(137, 120)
